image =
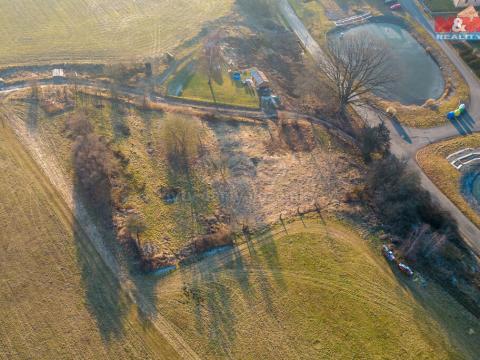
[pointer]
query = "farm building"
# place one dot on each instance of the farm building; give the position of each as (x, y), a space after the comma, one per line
(465, 3)
(260, 79)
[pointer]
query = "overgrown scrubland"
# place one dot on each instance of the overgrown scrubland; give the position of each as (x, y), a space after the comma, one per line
(169, 185)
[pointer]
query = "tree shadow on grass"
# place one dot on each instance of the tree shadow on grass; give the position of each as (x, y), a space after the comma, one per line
(456, 324)
(103, 294)
(118, 118)
(218, 284)
(33, 112)
(101, 257)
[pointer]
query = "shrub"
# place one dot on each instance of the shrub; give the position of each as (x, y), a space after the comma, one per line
(220, 238)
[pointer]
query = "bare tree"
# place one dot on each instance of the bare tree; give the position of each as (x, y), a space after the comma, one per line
(356, 69)
(213, 57)
(180, 137)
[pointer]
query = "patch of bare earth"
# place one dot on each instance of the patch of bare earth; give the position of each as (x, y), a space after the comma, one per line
(280, 169)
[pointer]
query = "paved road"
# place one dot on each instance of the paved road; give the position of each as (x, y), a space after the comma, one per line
(407, 141)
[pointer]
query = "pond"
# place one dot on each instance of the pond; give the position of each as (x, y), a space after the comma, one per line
(419, 77)
(471, 186)
(476, 188)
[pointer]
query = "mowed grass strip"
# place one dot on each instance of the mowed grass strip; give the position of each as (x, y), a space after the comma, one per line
(192, 83)
(57, 299)
(99, 30)
(319, 292)
(432, 160)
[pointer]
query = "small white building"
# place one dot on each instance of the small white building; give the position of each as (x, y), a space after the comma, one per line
(465, 3)
(58, 73)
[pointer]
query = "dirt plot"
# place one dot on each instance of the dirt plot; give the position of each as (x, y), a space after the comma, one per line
(269, 175)
(58, 299)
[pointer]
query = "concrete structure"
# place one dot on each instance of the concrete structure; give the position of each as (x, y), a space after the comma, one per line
(464, 157)
(465, 3)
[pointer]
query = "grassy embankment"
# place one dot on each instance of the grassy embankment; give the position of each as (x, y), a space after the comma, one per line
(100, 30)
(147, 169)
(313, 15)
(58, 300)
(318, 292)
(456, 89)
(433, 161)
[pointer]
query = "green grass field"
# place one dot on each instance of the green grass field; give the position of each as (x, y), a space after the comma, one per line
(99, 30)
(319, 292)
(57, 299)
(313, 15)
(192, 83)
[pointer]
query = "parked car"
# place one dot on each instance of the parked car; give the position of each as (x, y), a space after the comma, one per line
(396, 6)
(405, 269)
(389, 255)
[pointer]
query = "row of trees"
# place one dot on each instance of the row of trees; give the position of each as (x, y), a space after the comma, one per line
(92, 161)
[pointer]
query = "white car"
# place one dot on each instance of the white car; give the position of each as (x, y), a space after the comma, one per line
(405, 269)
(389, 255)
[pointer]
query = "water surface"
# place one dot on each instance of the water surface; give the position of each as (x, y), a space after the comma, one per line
(419, 77)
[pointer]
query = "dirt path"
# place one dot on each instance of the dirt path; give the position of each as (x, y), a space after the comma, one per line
(59, 191)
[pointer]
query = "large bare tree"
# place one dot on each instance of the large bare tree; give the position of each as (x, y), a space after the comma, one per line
(356, 68)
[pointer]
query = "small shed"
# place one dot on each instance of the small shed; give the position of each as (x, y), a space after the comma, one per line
(261, 80)
(58, 73)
